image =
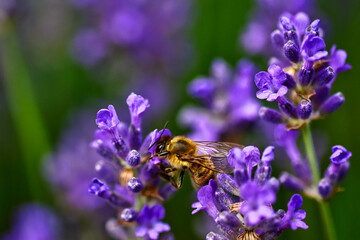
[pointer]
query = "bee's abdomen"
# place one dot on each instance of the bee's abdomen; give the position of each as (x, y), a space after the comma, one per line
(200, 175)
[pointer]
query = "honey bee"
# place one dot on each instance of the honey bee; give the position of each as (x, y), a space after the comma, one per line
(203, 159)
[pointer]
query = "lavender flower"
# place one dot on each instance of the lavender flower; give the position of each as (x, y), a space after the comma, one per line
(241, 205)
(302, 179)
(336, 172)
(227, 99)
(34, 222)
(136, 187)
(301, 81)
(255, 38)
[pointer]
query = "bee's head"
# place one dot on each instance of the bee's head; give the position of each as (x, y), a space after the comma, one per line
(161, 146)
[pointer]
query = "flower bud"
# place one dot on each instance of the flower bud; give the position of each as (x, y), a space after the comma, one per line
(291, 51)
(135, 185)
(290, 81)
(305, 76)
(324, 188)
(228, 183)
(271, 115)
(304, 109)
(277, 39)
(332, 104)
(128, 215)
(287, 107)
(228, 219)
(291, 182)
(133, 158)
(324, 76)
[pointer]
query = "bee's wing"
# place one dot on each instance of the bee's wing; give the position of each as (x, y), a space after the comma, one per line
(213, 155)
(215, 148)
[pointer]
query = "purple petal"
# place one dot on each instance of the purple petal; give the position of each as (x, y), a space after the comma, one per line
(137, 106)
(278, 75)
(340, 155)
(107, 119)
(295, 202)
(262, 79)
(268, 154)
(263, 93)
(301, 22)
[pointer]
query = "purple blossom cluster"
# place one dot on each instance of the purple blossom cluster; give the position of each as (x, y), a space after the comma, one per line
(151, 33)
(228, 102)
(241, 205)
(34, 222)
(255, 38)
(128, 180)
(301, 80)
(302, 180)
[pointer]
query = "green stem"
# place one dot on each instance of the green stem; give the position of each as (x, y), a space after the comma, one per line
(324, 206)
(24, 110)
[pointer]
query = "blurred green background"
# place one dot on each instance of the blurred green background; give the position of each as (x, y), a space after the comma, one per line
(59, 86)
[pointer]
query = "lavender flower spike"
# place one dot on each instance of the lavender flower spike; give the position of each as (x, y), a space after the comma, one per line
(302, 84)
(336, 172)
(247, 213)
(129, 183)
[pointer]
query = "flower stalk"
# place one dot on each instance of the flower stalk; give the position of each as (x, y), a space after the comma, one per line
(324, 206)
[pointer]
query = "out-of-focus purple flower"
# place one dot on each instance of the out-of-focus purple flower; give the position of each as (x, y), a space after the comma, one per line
(128, 26)
(241, 205)
(72, 166)
(255, 38)
(338, 60)
(228, 101)
(149, 222)
(34, 222)
(88, 47)
(302, 84)
(287, 140)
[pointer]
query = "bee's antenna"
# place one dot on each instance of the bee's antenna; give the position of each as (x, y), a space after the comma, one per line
(163, 130)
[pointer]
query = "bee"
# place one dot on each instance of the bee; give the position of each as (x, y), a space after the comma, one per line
(203, 159)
